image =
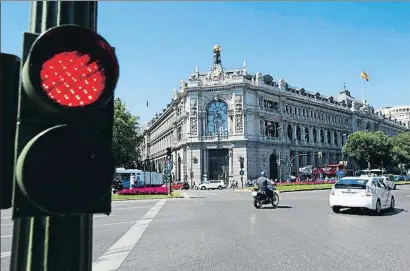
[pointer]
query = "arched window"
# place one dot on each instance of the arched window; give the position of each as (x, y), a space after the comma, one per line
(314, 135)
(329, 140)
(289, 130)
(298, 132)
(217, 118)
(322, 137)
(307, 134)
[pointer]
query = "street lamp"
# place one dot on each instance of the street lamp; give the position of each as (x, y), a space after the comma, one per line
(291, 160)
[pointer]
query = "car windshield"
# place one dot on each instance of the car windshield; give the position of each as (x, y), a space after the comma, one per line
(351, 184)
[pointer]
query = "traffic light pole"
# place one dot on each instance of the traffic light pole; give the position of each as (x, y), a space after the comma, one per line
(54, 242)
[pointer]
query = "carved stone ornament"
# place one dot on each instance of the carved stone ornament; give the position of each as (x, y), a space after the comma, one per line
(282, 83)
(216, 73)
(239, 124)
(193, 117)
(182, 85)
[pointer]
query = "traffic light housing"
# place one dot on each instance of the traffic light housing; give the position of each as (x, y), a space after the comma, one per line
(9, 86)
(169, 154)
(65, 164)
(241, 162)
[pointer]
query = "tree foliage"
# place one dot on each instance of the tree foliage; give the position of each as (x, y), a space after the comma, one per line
(126, 141)
(374, 147)
(401, 148)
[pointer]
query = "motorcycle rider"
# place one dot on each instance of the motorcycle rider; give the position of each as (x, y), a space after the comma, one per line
(263, 184)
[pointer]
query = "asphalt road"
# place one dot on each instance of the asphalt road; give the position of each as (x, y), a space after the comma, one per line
(221, 230)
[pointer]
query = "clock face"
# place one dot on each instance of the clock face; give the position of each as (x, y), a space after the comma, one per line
(216, 69)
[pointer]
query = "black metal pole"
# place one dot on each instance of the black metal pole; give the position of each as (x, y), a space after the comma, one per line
(55, 243)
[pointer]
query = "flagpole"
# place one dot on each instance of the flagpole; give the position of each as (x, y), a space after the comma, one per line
(361, 86)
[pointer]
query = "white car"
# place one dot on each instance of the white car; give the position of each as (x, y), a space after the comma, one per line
(388, 181)
(361, 192)
(212, 184)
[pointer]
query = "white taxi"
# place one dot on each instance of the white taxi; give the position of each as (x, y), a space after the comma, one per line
(361, 192)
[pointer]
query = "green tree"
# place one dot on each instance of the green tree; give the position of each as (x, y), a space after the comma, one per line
(126, 141)
(401, 148)
(373, 147)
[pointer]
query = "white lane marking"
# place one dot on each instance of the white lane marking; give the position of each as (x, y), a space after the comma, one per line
(115, 255)
(211, 194)
(5, 254)
(408, 196)
(6, 236)
(129, 208)
(116, 223)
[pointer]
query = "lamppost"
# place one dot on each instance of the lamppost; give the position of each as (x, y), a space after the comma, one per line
(242, 165)
(291, 161)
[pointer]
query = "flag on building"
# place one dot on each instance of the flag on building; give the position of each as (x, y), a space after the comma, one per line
(364, 76)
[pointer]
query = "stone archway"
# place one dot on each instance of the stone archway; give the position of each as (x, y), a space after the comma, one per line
(273, 167)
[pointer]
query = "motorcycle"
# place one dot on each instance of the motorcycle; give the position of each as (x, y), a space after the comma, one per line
(260, 197)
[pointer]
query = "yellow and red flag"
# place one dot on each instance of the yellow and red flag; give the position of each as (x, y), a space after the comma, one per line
(364, 75)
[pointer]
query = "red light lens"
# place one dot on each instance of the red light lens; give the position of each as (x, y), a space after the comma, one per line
(72, 80)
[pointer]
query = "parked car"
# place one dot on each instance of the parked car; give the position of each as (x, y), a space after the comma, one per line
(361, 192)
(388, 181)
(212, 184)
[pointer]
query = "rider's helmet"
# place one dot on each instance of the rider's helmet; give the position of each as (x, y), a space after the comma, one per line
(263, 174)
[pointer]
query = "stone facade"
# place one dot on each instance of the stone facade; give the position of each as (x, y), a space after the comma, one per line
(399, 113)
(220, 115)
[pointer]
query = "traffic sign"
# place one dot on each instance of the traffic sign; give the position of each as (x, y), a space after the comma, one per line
(241, 172)
(168, 165)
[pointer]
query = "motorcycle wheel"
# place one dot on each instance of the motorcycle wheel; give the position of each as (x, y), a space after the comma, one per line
(257, 203)
(275, 200)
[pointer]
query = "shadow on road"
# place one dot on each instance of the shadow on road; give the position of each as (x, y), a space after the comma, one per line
(352, 211)
(278, 207)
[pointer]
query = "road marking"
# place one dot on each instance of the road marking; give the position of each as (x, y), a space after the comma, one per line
(116, 223)
(115, 255)
(5, 254)
(408, 196)
(6, 236)
(211, 194)
(129, 208)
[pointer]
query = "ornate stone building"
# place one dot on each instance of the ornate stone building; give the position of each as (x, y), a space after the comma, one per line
(220, 115)
(399, 113)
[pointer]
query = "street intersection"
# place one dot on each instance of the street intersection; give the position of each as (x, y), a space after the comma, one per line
(221, 230)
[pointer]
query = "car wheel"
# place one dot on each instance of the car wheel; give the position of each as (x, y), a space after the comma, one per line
(220, 187)
(392, 203)
(336, 209)
(378, 208)
(196, 187)
(203, 188)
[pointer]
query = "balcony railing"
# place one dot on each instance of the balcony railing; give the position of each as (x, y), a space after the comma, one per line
(216, 135)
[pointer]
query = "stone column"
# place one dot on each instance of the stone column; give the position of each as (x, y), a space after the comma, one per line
(294, 132)
(205, 163)
(230, 162)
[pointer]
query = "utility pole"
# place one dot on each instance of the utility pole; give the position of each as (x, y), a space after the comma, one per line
(50, 235)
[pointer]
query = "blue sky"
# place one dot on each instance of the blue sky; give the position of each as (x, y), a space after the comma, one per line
(317, 45)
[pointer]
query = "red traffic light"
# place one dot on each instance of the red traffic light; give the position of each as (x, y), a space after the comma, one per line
(70, 67)
(71, 79)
